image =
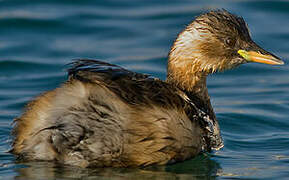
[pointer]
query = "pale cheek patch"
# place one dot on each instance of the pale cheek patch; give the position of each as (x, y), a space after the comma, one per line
(191, 36)
(186, 48)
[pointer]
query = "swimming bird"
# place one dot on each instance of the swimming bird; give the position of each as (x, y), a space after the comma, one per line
(108, 116)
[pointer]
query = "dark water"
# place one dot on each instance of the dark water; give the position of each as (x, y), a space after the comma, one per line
(37, 38)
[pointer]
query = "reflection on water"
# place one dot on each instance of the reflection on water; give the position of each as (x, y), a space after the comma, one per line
(202, 167)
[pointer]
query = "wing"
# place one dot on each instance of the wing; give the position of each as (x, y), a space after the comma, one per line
(91, 70)
(133, 88)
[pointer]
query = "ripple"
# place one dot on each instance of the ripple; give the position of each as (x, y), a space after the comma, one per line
(39, 37)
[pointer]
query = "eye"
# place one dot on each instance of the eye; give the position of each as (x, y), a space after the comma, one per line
(230, 42)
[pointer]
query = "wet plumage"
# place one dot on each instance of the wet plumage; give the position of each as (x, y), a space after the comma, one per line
(105, 115)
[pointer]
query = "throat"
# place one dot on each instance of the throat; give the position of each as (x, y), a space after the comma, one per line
(189, 80)
(193, 83)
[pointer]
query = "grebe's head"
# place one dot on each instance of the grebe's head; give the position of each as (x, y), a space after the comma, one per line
(217, 41)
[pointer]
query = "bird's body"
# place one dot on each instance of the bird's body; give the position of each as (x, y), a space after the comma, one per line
(105, 115)
(108, 116)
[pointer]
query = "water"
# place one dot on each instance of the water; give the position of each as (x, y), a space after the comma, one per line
(37, 38)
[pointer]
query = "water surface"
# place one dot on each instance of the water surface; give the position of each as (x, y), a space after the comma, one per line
(37, 39)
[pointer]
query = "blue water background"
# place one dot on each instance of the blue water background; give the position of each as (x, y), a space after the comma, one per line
(37, 39)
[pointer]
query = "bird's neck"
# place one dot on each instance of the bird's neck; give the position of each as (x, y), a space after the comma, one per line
(192, 81)
(188, 68)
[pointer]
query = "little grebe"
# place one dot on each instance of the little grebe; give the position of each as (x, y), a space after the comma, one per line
(105, 115)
